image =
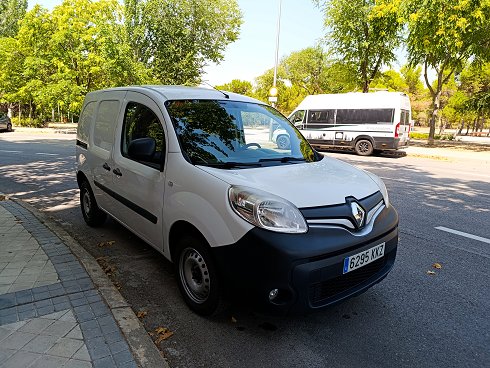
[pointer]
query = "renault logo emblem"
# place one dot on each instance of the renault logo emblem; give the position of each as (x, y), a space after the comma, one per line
(358, 213)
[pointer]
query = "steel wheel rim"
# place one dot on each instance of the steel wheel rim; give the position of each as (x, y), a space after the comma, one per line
(194, 275)
(86, 202)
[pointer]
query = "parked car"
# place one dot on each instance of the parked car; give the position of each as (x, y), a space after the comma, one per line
(5, 123)
(188, 171)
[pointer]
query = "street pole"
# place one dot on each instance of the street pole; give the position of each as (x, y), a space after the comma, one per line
(274, 83)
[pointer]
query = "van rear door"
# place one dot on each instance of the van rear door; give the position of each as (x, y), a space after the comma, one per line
(404, 127)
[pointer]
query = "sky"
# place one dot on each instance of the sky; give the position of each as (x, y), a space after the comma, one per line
(255, 50)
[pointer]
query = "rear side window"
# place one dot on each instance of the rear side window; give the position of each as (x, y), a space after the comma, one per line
(141, 122)
(405, 117)
(84, 122)
(105, 124)
(365, 116)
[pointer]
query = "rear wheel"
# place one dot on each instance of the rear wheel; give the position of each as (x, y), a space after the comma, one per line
(197, 277)
(92, 214)
(364, 147)
(283, 142)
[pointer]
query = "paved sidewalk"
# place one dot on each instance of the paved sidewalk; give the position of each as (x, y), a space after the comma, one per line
(51, 314)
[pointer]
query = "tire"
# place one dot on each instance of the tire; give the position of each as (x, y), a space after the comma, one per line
(9, 127)
(283, 142)
(92, 214)
(197, 276)
(364, 147)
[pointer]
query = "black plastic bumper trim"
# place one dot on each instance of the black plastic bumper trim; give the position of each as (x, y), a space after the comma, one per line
(133, 206)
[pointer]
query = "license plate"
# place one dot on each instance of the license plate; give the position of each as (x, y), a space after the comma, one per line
(363, 258)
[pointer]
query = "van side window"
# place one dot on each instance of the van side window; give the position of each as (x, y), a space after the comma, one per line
(365, 116)
(85, 120)
(141, 122)
(105, 124)
(318, 119)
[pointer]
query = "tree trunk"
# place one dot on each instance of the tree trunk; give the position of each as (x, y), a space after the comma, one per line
(30, 111)
(52, 115)
(461, 127)
(20, 112)
(435, 114)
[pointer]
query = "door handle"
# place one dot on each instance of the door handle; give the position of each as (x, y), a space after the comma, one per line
(117, 172)
(107, 167)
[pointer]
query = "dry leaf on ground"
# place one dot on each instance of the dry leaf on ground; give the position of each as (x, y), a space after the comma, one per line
(163, 333)
(141, 314)
(437, 266)
(431, 273)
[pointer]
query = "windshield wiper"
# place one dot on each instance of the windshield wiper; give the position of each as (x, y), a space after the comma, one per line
(231, 164)
(283, 159)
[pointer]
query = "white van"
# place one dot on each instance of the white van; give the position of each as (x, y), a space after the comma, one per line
(364, 122)
(193, 173)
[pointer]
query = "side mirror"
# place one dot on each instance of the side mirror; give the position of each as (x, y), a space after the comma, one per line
(142, 149)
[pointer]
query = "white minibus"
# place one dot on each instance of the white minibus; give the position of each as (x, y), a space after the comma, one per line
(364, 122)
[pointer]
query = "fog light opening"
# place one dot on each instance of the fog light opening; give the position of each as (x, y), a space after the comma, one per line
(273, 294)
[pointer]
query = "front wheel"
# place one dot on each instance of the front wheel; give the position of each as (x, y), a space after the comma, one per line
(197, 277)
(364, 147)
(9, 127)
(92, 214)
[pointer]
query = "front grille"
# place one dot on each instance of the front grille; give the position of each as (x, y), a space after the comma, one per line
(320, 291)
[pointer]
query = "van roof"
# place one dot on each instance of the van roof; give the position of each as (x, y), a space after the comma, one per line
(184, 93)
(379, 99)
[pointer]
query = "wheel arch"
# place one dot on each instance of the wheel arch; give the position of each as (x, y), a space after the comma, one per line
(363, 137)
(177, 230)
(81, 177)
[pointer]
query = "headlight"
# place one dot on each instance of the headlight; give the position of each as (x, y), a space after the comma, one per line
(266, 210)
(382, 187)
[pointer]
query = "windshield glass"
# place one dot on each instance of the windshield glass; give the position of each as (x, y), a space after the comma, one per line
(236, 134)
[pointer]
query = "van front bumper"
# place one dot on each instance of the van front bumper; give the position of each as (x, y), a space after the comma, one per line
(306, 269)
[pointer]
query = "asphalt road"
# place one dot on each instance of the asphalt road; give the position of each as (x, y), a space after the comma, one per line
(411, 319)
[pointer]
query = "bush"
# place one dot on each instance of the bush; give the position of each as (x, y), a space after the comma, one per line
(425, 136)
(26, 122)
(416, 135)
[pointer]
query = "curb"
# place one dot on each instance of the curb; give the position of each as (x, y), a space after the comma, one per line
(144, 350)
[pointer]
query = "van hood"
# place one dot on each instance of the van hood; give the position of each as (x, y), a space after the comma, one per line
(321, 183)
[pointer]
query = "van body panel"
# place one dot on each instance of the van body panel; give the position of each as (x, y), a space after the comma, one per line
(202, 203)
(289, 181)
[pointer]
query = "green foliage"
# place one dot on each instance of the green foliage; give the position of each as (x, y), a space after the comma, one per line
(443, 35)
(424, 136)
(237, 86)
(175, 39)
(26, 122)
(363, 33)
(11, 11)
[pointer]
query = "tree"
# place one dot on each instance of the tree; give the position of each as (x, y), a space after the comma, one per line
(57, 57)
(364, 33)
(176, 39)
(442, 36)
(315, 72)
(11, 11)
(237, 86)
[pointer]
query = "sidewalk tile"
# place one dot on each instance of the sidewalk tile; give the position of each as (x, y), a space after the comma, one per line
(21, 359)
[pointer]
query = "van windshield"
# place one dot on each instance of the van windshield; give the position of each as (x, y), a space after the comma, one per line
(231, 134)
